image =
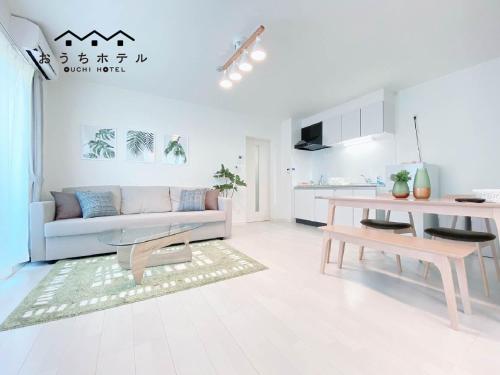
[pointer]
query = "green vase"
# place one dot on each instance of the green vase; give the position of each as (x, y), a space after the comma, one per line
(400, 189)
(422, 184)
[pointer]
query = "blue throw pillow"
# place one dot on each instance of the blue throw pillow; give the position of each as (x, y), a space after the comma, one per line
(95, 204)
(192, 200)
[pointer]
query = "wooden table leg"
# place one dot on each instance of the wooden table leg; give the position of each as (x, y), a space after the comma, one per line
(139, 257)
(444, 267)
(325, 253)
(463, 284)
(361, 251)
(329, 221)
(340, 258)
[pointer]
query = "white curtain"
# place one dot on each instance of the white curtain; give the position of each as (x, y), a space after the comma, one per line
(37, 139)
(16, 77)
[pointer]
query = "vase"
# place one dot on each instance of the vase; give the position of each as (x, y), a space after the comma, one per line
(422, 184)
(400, 189)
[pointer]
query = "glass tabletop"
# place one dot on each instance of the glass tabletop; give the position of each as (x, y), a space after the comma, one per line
(132, 236)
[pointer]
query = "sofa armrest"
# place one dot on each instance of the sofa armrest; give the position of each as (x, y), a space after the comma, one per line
(40, 213)
(226, 205)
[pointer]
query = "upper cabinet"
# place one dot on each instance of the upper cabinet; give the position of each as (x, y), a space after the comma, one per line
(377, 118)
(351, 125)
(372, 119)
(371, 114)
(332, 130)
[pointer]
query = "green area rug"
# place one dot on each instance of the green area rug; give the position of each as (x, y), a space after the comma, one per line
(79, 286)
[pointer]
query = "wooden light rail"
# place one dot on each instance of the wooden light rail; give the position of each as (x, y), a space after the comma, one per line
(236, 55)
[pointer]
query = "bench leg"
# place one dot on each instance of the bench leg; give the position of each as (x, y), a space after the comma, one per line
(398, 261)
(443, 265)
(340, 258)
(426, 270)
(361, 252)
(462, 283)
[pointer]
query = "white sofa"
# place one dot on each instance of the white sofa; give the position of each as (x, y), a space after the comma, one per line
(52, 239)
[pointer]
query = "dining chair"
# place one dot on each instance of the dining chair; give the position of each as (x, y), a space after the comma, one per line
(390, 226)
(481, 240)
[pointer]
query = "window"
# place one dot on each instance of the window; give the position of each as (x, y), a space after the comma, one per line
(15, 149)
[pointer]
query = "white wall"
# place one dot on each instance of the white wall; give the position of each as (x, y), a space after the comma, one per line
(4, 14)
(459, 121)
(214, 137)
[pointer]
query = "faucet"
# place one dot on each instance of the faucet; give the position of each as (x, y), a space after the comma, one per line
(368, 180)
(321, 180)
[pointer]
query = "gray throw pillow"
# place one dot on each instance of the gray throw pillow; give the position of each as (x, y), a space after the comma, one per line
(67, 206)
(192, 200)
(212, 200)
(95, 204)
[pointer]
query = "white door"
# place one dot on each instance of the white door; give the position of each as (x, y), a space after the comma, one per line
(258, 179)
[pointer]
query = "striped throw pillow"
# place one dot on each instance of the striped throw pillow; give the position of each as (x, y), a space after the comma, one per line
(95, 204)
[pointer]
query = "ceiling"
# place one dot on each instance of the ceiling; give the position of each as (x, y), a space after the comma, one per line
(320, 52)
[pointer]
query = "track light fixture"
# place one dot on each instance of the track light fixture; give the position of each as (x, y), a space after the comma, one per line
(225, 82)
(258, 52)
(244, 64)
(234, 73)
(240, 59)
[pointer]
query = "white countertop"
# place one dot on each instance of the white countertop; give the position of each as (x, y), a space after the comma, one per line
(349, 186)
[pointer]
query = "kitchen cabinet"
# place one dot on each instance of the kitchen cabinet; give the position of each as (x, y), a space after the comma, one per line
(372, 119)
(351, 125)
(304, 204)
(308, 205)
(343, 215)
(332, 130)
(358, 212)
(321, 205)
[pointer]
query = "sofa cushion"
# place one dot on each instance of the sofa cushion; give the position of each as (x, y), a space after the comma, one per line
(95, 204)
(212, 199)
(192, 200)
(175, 195)
(114, 189)
(145, 199)
(67, 206)
(71, 227)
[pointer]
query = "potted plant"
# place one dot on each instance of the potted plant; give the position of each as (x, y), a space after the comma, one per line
(229, 181)
(401, 188)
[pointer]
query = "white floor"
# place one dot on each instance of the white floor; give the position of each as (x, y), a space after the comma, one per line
(289, 319)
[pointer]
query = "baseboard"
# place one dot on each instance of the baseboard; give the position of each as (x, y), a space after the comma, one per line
(309, 222)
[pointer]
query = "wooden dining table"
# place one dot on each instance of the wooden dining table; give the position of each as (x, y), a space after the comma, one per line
(443, 206)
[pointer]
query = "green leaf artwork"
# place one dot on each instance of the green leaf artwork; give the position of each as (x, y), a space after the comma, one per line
(98, 143)
(140, 145)
(175, 150)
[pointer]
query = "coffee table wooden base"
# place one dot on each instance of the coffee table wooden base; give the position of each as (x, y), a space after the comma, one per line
(149, 254)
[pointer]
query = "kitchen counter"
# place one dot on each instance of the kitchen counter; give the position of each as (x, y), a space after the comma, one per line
(349, 186)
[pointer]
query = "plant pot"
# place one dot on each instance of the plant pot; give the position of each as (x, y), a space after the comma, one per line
(400, 189)
(422, 184)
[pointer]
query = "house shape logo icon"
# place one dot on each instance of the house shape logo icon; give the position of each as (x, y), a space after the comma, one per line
(70, 35)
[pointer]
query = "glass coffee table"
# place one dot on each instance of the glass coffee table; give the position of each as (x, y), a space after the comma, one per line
(137, 248)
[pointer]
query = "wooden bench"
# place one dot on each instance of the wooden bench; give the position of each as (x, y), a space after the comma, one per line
(437, 252)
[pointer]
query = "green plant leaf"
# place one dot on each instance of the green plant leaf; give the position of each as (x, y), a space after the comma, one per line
(139, 142)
